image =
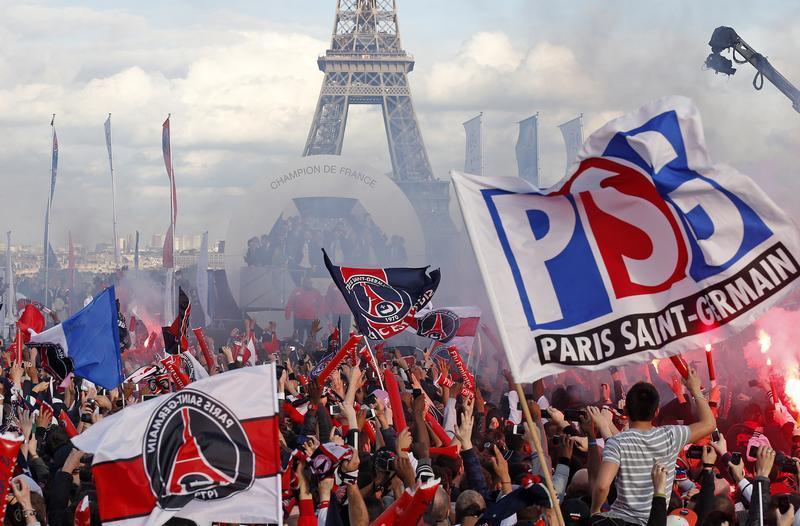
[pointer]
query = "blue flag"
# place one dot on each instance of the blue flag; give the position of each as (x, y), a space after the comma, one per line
(90, 339)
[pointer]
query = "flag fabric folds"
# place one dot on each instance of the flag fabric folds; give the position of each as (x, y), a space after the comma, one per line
(166, 147)
(527, 150)
(473, 155)
(644, 250)
(384, 301)
(208, 453)
(176, 339)
(572, 132)
(90, 338)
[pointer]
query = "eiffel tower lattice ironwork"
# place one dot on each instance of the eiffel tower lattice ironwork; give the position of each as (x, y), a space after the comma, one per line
(367, 65)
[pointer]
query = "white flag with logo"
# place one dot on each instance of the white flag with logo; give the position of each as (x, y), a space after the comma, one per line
(473, 154)
(644, 250)
(208, 453)
(572, 131)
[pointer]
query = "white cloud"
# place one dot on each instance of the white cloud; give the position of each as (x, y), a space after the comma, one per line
(242, 94)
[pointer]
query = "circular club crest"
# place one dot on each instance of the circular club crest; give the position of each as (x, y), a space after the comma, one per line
(195, 448)
(439, 325)
(379, 302)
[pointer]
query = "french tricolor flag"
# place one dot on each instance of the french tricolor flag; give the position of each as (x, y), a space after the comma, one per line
(90, 338)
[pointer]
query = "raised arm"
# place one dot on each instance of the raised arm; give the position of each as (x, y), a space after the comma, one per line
(706, 423)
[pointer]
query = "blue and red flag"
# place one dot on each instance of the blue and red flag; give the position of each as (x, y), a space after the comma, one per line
(384, 300)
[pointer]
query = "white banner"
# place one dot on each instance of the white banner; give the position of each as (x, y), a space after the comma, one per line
(209, 453)
(644, 250)
(473, 155)
(527, 150)
(572, 132)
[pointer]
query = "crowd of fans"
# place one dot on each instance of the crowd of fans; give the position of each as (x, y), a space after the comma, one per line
(294, 243)
(452, 450)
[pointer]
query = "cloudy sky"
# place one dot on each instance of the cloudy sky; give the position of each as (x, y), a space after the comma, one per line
(241, 82)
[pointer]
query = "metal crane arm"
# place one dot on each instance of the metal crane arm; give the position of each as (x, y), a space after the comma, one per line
(726, 37)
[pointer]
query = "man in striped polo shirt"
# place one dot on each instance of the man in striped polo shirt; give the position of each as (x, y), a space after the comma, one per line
(630, 455)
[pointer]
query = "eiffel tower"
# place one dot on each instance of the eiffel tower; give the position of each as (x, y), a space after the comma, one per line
(367, 65)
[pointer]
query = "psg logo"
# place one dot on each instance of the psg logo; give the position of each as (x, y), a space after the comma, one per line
(379, 302)
(439, 325)
(195, 448)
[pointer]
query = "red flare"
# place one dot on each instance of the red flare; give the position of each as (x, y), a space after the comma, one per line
(201, 341)
(399, 417)
(680, 365)
(390, 515)
(437, 429)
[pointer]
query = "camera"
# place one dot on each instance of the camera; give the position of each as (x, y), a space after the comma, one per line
(518, 429)
(695, 452)
(335, 410)
(784, 462)
(573, 415)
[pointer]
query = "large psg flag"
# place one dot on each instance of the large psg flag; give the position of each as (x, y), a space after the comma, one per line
(208, 453)
(384, 300)
(644, 250)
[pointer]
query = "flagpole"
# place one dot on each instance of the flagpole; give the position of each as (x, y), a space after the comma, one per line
(11, 299)
(538, 174)
(481, 134)
(113, 192)
(173, 212)
(47, 219)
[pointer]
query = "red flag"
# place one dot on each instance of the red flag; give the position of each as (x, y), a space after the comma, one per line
(176, 340)
(9, 449)
(83, 513)
(30, 320)
(201, 341)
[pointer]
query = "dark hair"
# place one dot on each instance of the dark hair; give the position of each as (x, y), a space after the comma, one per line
(641, 402)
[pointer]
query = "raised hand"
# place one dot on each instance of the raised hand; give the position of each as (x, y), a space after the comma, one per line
(26, 423)
(464, 430)
(709, 455)
(765, 458)
(721, 445)
(692, 382)
(659, 476)
(500, 467)
(403, 442)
